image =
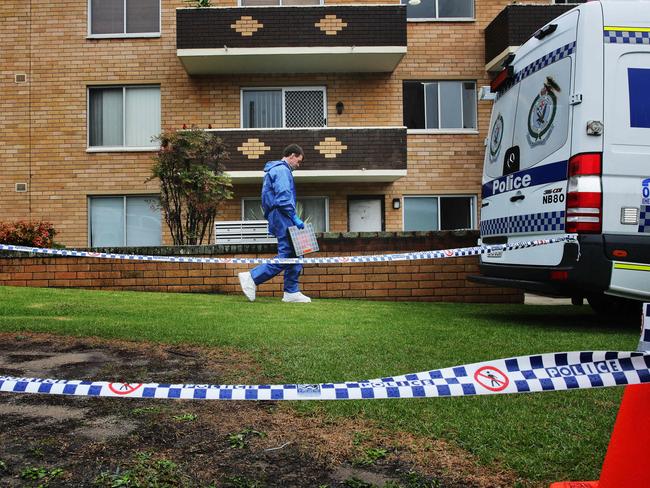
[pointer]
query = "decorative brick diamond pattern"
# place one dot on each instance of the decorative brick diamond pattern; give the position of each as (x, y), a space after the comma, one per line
(331, 25)
(253, 148)
(330, 147)
(246, 25)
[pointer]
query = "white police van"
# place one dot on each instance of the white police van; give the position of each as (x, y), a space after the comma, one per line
(569, 152)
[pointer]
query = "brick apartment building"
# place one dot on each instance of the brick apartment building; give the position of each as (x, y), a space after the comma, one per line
(383, 98)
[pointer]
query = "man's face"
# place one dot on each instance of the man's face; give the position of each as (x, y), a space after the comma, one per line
(295, 160)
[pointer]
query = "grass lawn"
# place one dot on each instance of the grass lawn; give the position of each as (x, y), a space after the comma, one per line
(544, 436)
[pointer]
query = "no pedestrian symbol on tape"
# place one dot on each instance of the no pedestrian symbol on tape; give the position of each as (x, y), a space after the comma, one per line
(123, 388)
(491, 378)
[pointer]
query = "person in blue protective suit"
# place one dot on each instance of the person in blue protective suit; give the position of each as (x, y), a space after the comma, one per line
(279, 205)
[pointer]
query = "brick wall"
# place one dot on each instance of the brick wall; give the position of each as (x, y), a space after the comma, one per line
(425, 280)
(43, 123)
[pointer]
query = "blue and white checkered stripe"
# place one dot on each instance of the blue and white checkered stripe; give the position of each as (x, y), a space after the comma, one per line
(527, 223)
(524, 374)
(626, 36)
(644, 219)
(438, 254)
(547, 59)
(544, 61)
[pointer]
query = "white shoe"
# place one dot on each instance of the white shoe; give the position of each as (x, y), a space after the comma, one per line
(296, 297)
(247, 285)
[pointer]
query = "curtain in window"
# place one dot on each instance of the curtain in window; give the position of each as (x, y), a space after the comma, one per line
(469, 105)
(107, 222)
(262, 108)
(426, 9)
(451, 116)
(105, 106)
(107, 17)
(300, 2)
(142, 115)
(142, 16)
(420, 213)
(456, 8)
(313, 212)
(431, 105)
(143, 221)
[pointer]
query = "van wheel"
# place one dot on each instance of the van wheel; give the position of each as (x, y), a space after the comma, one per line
(614, 307)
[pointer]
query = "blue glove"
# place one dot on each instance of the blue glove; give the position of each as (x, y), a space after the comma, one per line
(299, 223)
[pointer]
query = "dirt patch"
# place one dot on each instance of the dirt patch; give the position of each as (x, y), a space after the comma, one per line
(74, 441)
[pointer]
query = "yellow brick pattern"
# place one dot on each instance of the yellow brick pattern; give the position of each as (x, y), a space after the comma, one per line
(331, 25)
(253, 148)
(246, 25)
(330, 147)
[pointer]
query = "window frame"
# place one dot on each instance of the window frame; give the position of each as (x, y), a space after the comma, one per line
(473, 199)
(122, 35)
(308, 197)
(442, 19)
(451, 130)
(124, 197)
(283, 89)
(122, 148)
(280, 4)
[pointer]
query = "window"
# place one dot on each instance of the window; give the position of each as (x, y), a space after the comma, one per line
(124, 18)
(123, 117)
(439, 104)
(427, 213)
(638, 82)
(283, 107)
(313, 210)
(124, 221)
(440, 9)
(264, 3)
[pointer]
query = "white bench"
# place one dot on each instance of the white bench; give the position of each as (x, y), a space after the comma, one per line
(242, 232)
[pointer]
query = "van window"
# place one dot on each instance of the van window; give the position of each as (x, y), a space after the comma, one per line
(639, 84)
(501, 129)
(629, 101)
(542, 126)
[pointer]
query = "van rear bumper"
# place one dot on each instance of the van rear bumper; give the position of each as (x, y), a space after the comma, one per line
(590, 274)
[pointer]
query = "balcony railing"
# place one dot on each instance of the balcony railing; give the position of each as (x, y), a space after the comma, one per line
(364, 154)
(314, 39)
(512, 27)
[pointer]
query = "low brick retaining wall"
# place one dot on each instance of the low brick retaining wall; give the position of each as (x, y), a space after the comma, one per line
(424, 280)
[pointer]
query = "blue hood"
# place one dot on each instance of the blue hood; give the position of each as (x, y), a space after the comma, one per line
(272, 164)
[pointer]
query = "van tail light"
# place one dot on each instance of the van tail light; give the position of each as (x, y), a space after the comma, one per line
(584, 208)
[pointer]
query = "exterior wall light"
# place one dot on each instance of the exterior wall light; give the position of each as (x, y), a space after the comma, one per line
(339, 107)
(397, 203)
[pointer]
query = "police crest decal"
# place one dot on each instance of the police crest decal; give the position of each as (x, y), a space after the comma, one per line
(496, 136)
(542, 114)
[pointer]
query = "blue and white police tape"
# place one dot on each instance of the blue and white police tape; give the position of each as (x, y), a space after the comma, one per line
(409, 256)
(523, 374)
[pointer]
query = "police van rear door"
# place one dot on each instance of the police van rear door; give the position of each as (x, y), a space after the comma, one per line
(494, 208)
(536, 187)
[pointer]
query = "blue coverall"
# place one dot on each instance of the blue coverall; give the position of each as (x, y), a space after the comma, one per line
(279, 205)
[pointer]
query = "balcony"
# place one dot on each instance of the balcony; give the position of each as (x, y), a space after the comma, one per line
(364, 154)
(314, 39)
(514, 25)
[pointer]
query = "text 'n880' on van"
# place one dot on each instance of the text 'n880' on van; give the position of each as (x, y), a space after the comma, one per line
(568, 152)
